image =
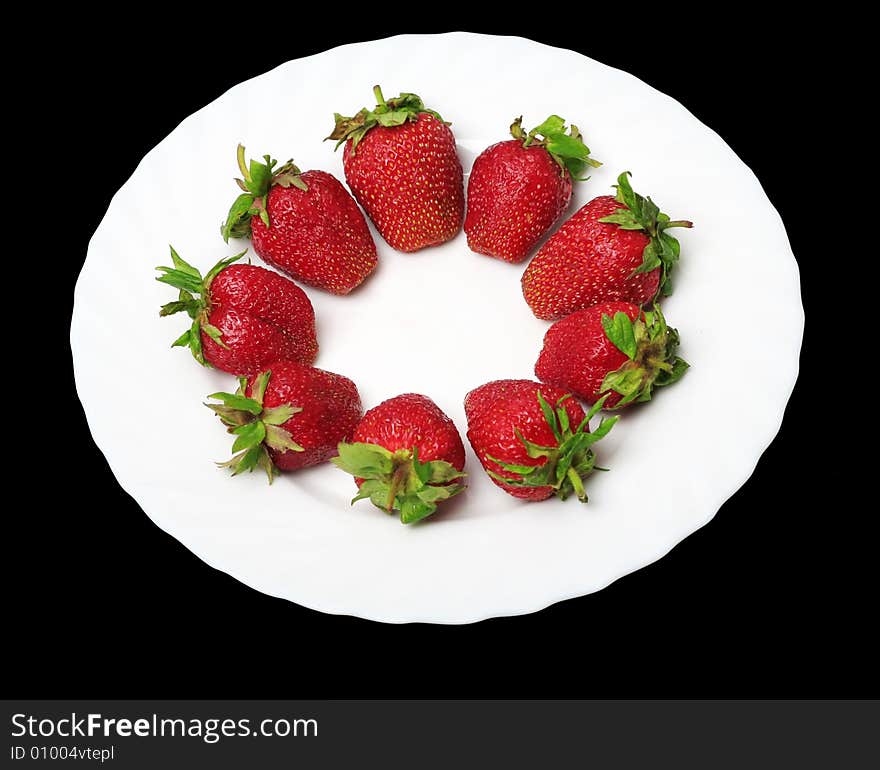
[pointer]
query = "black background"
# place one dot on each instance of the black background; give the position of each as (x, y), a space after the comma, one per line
(770, 598)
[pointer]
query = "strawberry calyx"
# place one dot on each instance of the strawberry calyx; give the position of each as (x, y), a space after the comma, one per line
(567, 149)
(256, 429)
(194, 299)
(399, 481)
(643, 214)
(650, 346)
(257, 179)
(569, 462)
(391, 112)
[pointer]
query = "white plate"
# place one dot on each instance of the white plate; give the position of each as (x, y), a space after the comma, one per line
(439, 322)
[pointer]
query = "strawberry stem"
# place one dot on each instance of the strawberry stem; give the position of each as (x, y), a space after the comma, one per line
(242, 163)
(377, 92)
(397, 480)
(577, 484)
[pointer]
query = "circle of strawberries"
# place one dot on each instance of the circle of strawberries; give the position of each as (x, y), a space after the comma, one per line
(599, 277)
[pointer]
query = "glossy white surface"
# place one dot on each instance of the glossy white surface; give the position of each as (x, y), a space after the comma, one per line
(440, 322)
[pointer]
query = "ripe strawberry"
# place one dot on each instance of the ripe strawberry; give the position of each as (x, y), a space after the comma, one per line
(518, 189)
(613, 350)
(304, 223)
(522, 433)
(407, 456)
(287, 417)
(244, 316)
(610, 249)
(400, 163)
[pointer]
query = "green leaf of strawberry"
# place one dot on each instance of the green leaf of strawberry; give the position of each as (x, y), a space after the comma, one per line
(239, 402)
(643, 214)
(256, 429)
(256, 180)
(568, 463)
(279, 439)
(620, 331)
(366, 461)
(650, 346)
(249, 435)
(390, 112)
(278, 415)
(194, 300)
(567, 149)
(399, 481)
(238, 220)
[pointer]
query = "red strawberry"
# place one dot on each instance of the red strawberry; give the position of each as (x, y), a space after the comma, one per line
(400, 163)
(244, 317)
(518, 189)
(305, 224)
(612, 349)
(611, 249)
(533, 440)
(288, 416)
(407, 456)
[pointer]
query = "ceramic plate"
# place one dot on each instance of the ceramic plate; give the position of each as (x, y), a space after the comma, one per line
(438, 322)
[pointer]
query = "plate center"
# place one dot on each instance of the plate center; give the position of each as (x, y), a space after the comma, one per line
(439, 321)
